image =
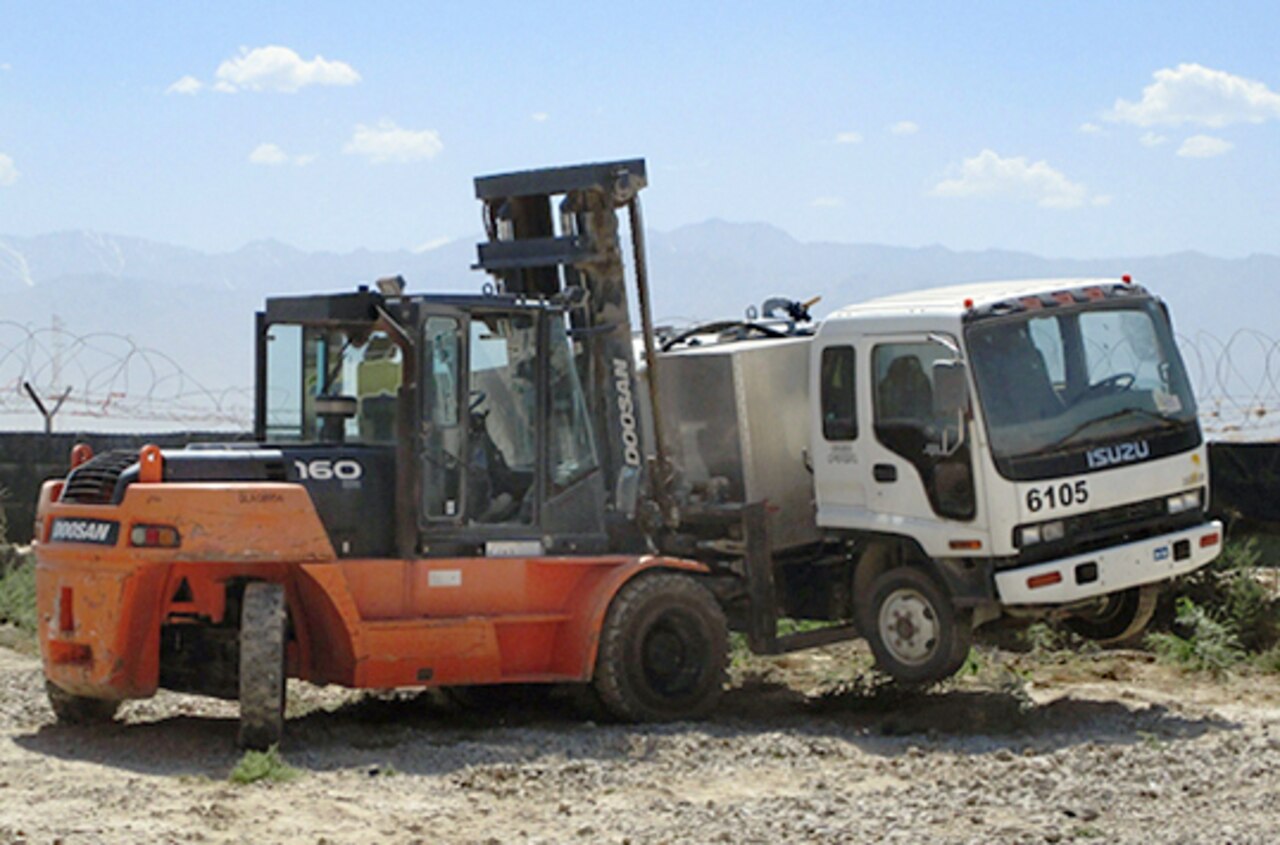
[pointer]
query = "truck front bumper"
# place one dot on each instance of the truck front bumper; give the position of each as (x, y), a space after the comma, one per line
(1080, 577)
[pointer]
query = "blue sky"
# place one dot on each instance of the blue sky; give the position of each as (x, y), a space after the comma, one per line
(1074, 130)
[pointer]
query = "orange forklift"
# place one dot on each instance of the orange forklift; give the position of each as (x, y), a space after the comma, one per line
(443, 491)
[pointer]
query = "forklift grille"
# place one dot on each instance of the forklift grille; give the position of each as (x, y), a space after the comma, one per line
(94, 482)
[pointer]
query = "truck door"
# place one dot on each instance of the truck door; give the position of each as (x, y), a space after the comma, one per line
(917, 459)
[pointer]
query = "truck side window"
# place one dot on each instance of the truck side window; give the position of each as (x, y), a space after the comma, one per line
(906, 424)
(839, 410)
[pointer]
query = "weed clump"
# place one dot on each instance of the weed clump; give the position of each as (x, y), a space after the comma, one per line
(266, 765)
(1208, 642)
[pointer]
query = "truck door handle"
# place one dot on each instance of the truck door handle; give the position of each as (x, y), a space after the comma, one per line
(885, 472)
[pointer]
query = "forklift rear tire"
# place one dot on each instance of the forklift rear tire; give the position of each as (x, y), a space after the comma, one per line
(916, 633)
(263, 616)
(78, 710)
(663, 650)
(1118, 618)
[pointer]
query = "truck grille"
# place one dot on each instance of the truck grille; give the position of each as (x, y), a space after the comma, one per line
(1100, 529)
(94, 482)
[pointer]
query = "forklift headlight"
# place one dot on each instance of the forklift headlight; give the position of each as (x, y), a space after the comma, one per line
(1184, 502)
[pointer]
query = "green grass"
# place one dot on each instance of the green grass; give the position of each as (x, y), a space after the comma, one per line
(18, 593)
(1209, 642)
(267, 765)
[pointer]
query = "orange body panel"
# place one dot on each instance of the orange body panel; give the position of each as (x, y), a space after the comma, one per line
(362, 623)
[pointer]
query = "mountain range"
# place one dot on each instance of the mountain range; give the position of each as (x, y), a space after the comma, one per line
(197, 308)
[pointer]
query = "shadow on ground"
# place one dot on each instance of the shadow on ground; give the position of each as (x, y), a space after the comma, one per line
(425, 733)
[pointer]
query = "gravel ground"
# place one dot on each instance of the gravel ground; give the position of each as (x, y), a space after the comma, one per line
(1110, 749)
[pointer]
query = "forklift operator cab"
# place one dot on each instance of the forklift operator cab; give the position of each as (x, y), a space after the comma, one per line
(506, 451)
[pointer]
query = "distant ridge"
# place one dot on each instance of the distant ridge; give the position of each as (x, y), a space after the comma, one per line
(198, 307)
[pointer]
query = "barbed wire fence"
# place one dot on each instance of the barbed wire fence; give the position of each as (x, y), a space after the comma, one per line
(107, 376)
(1236, 382)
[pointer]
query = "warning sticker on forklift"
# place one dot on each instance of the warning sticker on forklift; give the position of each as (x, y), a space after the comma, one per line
(444, 578)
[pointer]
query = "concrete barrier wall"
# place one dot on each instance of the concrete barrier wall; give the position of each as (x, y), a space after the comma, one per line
(28, 458)
(1245, 477)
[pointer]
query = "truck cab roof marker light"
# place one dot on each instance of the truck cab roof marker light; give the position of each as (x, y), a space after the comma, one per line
(1127, 279)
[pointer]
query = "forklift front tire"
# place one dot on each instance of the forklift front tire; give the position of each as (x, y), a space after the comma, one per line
(263, 615)
(916, 634)
(663, 650)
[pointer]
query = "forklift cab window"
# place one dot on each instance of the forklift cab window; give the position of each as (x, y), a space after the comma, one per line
(502, 416)
(309, 367)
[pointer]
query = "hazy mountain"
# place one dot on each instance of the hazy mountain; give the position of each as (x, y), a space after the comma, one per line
(197, 307)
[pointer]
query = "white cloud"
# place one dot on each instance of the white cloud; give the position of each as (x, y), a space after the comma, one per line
(5, 66)
(905, 127)
(1100, 200)
(826, 202)
(276, 68)
(186, 85)
(271, 68)
(1192, 93)
(989, 175)
(1090, 129)
(849, 138)
(388, 142)
(433, 243)
(272, 155)
(8, 173)
(1152, 139)
(539, 117)
(1204, 146)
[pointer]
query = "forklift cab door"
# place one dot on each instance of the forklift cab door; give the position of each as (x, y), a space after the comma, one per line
(506, 453)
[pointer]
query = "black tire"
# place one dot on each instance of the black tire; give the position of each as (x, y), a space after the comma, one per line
(663, 650)
(78, 710)
(915, 632)
(263, 615)
(1117, 618)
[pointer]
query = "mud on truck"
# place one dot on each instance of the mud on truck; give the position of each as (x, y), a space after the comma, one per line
(473, 490)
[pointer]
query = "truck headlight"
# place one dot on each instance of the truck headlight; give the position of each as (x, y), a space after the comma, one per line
(1045, 532)
(1184, 502)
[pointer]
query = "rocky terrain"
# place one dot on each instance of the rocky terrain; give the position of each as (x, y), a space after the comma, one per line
(1060, 748)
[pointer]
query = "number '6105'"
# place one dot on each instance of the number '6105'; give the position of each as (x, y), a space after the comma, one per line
(1061, 495)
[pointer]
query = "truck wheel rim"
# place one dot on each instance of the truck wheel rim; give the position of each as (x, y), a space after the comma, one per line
(908, 626)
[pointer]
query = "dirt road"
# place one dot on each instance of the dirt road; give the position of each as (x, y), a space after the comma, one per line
(1108, 749)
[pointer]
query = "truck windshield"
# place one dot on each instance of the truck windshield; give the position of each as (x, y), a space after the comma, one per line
(1066, 381)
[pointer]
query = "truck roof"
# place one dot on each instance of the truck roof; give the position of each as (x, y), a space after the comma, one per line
(955, 300)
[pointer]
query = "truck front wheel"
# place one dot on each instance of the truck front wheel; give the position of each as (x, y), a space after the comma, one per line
(662, 651)
(916, 634)
(262, 673)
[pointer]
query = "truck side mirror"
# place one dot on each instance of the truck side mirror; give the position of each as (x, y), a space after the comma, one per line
(950, 388)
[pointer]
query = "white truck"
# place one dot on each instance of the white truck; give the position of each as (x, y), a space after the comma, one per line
(954, 456)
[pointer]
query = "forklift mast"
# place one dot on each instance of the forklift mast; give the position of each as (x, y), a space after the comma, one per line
(569, 250)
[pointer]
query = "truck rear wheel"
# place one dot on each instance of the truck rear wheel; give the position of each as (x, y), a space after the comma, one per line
(663, 650)
(262, 672)
(916, 634)
(78, 710)
(1118, 617)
